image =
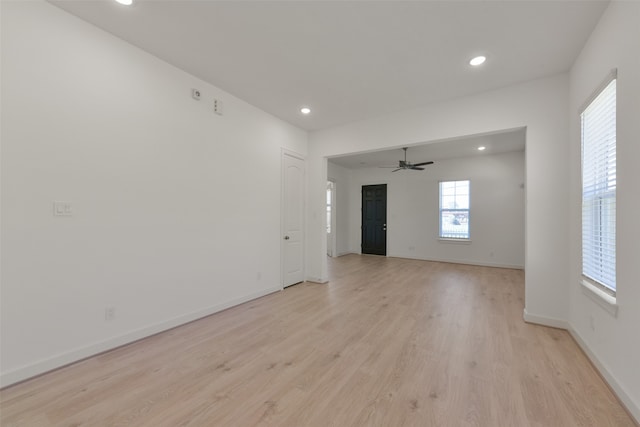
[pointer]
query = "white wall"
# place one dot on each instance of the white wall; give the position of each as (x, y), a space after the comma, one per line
(613, 342)
(541, 106)
(341, 177)
(166, 226)
(497, 210)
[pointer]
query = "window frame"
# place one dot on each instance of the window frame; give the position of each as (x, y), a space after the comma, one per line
(606, 291)
(445, 238)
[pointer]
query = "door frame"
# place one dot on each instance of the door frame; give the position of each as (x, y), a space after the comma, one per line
(284, 152)
(331, 246)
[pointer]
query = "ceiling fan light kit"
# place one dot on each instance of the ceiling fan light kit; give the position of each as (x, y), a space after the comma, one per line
(406, 165)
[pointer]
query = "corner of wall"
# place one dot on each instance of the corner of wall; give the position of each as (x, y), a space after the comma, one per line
(544, 320)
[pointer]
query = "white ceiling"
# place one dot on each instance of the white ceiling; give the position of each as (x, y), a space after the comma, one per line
(495, 143)
(351, 60)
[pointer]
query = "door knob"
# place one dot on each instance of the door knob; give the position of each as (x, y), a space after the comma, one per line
(286, 237)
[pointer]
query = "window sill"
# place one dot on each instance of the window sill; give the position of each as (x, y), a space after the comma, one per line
(603, 299)
(455, 241)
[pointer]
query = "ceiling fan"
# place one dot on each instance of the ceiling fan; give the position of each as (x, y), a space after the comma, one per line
(405, 165)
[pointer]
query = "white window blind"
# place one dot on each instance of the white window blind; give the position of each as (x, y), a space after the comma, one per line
(599, 188)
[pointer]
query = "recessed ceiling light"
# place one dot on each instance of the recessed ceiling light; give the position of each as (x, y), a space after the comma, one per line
(305, 110)
(125, 2)
(481, 148)
(478, 60)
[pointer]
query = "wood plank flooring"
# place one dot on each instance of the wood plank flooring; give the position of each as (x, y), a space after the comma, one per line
(388, 342)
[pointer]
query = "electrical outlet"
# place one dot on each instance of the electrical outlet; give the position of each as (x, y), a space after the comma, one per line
(109, 313)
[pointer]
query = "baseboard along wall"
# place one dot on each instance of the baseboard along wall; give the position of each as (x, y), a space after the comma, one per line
(60, 360)
(632, 408)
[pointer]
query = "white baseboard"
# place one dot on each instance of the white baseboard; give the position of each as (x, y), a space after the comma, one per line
(451, 261)
(619, 391)
(544, 320)
(316, 280)
(67, 358)
(344, 253)
(456, 261)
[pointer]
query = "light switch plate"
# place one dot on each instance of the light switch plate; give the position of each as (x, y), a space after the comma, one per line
(62, 209)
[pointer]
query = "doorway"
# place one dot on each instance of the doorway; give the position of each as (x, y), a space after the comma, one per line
(331, 218)
(374, 219)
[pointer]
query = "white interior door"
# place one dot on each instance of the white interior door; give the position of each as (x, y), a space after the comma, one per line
(293, 220)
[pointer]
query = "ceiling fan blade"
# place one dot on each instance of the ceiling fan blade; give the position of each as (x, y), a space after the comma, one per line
(416, 169)
(423, 164)
(396, 170)
(389, 167)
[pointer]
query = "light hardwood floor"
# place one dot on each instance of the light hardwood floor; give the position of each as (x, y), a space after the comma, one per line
(388, 342)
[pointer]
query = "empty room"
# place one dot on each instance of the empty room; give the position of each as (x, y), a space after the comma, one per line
(319, 213)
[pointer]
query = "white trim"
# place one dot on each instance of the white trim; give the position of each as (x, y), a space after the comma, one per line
(339, 254)
(292, 154)
(459, 261)
(334, 221)
(317, 280)
(544, 320)
(618, 389)
(612, 382)
(67, 358)
(454, 241)
(600, 297)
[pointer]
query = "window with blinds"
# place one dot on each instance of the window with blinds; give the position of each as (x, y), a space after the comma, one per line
(454, 210)
(598, 121)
